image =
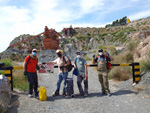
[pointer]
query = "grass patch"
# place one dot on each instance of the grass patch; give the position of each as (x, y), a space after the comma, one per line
(131, 46)
(145, 65)
(19, 81)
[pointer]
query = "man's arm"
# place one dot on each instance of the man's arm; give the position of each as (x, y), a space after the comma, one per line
(94, 60)
(51, 62)
(24, 65)
(86, 76)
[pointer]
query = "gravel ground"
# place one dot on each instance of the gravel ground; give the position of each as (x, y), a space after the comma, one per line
(123, 100)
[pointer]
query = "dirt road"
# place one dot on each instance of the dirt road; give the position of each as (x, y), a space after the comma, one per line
(123, 99)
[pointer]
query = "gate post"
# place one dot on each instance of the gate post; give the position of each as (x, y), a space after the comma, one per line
(136, 72)
(8, 74)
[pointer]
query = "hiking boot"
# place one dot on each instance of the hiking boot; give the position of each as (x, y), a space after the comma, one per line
(55, 94)
(64, 93)
(30, 95)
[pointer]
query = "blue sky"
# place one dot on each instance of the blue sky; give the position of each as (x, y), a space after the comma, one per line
(19, 17)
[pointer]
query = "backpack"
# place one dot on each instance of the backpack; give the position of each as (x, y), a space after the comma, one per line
(69, 67)
(105, 65)
(42, 94)
(75, 71)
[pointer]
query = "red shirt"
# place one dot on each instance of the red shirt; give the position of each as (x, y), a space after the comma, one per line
(31, 66)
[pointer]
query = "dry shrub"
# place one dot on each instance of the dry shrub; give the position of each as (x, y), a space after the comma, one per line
(126, 57)
(120, 73)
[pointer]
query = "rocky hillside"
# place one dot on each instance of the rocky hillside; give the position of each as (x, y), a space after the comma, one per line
(88, 40)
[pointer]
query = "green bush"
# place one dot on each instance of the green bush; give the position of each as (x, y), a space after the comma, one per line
(131, 46)
(145, 65)
(102, 47)
(6, 61)
(67, 41)
(94, 51)
(129, 57)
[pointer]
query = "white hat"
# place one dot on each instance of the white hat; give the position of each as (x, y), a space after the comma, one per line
(58, 50)
(34, 50)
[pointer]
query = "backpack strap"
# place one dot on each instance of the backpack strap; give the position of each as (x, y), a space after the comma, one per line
(75, 60)
(27, 62)
(64, 59)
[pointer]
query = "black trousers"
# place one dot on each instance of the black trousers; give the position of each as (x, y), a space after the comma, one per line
(81, 78)
(33, 83)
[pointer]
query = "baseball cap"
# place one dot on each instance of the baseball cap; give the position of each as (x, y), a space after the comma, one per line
(78, 52)
(100, 50)
(34, 50)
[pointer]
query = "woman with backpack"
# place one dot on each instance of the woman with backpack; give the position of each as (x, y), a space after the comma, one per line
(62, 62)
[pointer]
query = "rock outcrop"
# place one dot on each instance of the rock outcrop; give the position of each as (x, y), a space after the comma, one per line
(5, 92)
(143, 50)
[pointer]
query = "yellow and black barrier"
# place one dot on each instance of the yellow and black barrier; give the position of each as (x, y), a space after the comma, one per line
(135, 70)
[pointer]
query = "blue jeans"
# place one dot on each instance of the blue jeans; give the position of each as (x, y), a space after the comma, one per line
(33, 83)
(61, 76)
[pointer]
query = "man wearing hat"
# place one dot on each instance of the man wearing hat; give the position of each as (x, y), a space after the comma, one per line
(63, 72)
(101, 61)
(30, 69)
(81, 65)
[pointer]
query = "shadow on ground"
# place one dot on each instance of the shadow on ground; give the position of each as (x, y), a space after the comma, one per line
(123, 92)
(14, 104)
(91, 95)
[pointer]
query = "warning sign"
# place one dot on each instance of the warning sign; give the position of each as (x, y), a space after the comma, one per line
(46, 68)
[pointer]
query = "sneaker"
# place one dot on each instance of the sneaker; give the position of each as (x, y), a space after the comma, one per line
(30, 96)
(81, 94)
(55, 94)
(85, 94)
(108, 94)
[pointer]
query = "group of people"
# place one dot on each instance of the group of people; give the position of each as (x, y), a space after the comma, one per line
(31, 63)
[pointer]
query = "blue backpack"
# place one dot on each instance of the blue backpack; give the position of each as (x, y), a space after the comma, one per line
(75, 71)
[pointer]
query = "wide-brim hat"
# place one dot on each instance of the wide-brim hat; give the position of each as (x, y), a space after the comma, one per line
(58, 50)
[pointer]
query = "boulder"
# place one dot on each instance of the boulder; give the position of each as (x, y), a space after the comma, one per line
(5, 92)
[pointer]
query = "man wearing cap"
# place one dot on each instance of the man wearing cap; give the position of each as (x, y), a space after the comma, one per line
(63, 72)
(81, 65)
(102, 59)
(30, 69)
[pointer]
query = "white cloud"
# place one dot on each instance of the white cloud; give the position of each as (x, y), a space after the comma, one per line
(91, 5)
(140, 15)
(56, 14)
